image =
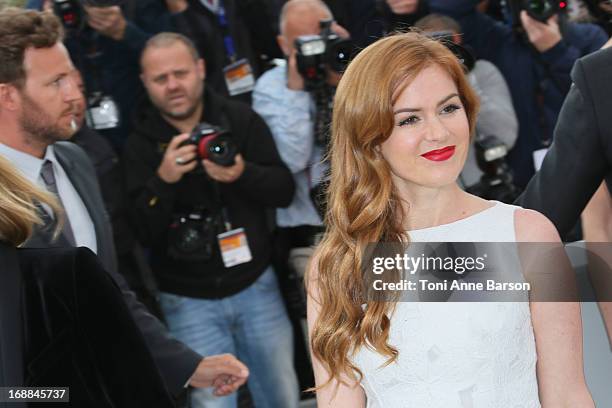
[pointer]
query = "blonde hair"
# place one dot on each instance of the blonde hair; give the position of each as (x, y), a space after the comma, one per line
(18, 206)
(363, 204)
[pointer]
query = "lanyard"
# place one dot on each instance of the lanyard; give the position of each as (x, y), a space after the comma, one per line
(228, 41)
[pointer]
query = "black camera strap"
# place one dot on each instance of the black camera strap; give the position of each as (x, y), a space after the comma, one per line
(324, 99)
(84, 65)
(91, 59)
(219, 203)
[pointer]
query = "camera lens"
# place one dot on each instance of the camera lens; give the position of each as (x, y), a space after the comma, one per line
(222, 150)
(540, 9)
(191, 240)
(213, 143)
(219, 149)
(339, 54)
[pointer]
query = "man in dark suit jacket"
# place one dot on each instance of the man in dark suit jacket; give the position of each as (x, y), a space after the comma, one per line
(580, 157)
(579, 160)
(81, 173)
(37, 96)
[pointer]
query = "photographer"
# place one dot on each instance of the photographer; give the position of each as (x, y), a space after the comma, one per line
(287, 103)
(200, 199)
(105, 39)
(235, 38)
(298, 112)
(535, 58)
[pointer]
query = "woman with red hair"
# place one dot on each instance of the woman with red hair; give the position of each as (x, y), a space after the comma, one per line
(403, 118)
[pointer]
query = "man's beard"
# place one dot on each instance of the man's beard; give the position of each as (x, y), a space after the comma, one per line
(188, 113)
(38, 125)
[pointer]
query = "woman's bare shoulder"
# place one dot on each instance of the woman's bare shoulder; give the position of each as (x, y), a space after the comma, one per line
(533, 226)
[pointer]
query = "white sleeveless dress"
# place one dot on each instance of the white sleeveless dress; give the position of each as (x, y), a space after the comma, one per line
(463, 355)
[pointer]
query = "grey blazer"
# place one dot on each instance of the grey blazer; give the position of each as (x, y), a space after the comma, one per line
(82, 175)
(176, 361)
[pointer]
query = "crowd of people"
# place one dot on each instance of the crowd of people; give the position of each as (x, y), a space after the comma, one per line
(213, 153)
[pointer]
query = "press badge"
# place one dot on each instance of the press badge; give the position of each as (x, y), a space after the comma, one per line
(239, 77)
(538, 158)
(234, 247)
(103, 114)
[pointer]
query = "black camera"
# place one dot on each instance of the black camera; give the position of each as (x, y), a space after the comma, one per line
(496, 183)
(317, 53)
(191, 237)
(71, 14)
(213, 143)
(540, 10)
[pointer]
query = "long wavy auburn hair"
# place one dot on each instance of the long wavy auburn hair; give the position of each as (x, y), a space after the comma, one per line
(363, 204)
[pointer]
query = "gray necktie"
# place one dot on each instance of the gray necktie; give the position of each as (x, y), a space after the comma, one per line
(48, 177)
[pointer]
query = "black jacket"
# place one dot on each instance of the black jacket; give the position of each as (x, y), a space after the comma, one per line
(64, 324)
(265, 183)
(250, 27)
(580, 157)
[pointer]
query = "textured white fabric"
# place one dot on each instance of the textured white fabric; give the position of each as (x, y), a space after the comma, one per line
(463, 355)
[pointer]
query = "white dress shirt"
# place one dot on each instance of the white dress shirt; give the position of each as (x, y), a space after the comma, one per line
(30, 166)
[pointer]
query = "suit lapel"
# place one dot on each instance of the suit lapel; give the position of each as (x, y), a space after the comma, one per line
(83, 190)
(11, 319)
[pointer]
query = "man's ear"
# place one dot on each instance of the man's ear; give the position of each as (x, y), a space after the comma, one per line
(284, 46)
(202, 68)
(9, 97)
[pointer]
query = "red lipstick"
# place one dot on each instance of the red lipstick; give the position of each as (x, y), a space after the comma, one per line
(441, 154)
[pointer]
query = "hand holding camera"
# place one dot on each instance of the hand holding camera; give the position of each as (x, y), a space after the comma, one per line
(295, 81)
(108, 21)
(224, 174)
(178, 159)
(104, 16)
(543, 36)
